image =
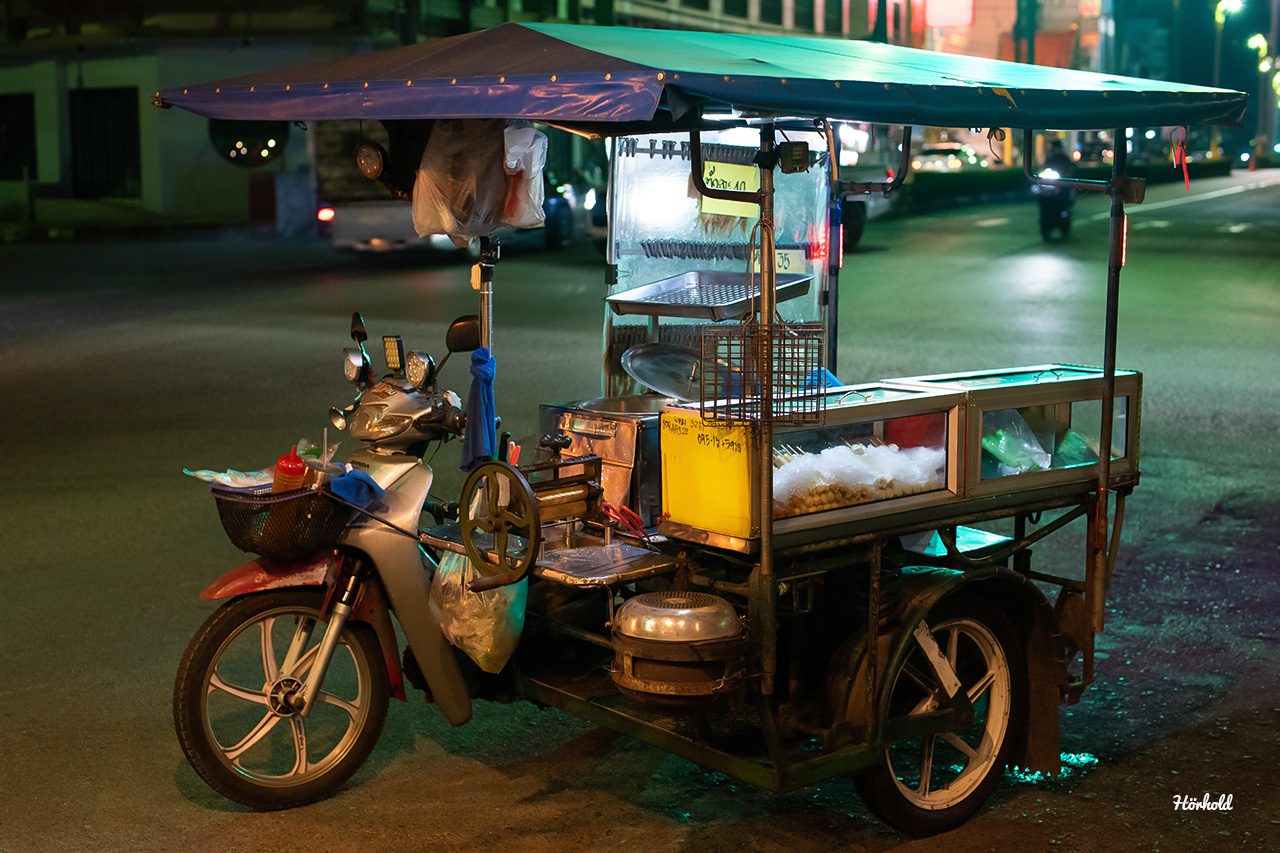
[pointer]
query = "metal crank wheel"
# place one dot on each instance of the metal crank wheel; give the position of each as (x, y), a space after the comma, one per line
(238, 687)
(499, 515)
(932, 783)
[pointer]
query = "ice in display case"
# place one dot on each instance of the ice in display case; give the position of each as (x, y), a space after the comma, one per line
(1042, 425)
(882, 447)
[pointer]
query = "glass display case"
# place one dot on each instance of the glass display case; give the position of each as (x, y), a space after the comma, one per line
(931, 443)
(882, 447)
(1042, 425)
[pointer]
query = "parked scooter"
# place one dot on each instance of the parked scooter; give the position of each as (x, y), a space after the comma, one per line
(282, 693)
(1055, 206)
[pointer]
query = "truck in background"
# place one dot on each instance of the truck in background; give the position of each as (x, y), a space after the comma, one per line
(363, 215)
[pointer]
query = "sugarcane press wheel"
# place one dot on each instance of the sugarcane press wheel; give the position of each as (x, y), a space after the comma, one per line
(497, 500)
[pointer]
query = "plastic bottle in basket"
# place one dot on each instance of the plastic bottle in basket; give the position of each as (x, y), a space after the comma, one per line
(291, 470)
(282, 517)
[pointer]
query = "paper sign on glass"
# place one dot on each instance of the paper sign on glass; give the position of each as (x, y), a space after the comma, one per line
(730, 176)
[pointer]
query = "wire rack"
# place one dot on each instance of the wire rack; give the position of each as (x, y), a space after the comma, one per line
(753, 373)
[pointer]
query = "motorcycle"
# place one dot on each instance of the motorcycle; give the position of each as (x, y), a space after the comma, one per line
(283, 692)
(1056, 203)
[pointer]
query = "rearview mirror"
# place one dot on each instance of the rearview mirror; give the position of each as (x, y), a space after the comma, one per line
(463, 334)
(358, 334)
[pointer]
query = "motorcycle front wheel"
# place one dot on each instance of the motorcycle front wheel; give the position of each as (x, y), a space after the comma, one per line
(232, 701)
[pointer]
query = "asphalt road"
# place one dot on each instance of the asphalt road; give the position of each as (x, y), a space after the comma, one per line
(125, 362)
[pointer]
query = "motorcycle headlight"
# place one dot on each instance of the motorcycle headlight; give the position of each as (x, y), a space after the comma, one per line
(352, 364)
(419, 369)
(373, 423)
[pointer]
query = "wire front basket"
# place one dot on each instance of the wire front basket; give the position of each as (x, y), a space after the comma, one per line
(753, 373)
(281, 526)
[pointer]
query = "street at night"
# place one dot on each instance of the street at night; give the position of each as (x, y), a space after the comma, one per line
(126, 362)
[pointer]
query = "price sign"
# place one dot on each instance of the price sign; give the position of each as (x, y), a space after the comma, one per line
(730, 176)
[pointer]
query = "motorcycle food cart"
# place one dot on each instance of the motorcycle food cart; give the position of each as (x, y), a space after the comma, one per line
(730, 555)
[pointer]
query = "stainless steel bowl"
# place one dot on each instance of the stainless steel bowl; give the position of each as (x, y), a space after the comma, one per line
(677, 617)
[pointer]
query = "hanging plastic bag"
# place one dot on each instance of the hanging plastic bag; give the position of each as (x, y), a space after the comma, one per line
(461, 185)
(485, 625)
(526, 157)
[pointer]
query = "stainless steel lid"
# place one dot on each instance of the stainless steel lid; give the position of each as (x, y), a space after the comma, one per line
(666, 368)
(677, 617)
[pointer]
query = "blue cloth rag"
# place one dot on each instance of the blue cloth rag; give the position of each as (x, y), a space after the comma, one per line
(480, 438)
(822, 378)
(356, 487)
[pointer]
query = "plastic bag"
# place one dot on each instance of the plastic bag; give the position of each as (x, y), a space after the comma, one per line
(1012, 444)
(526, 156)
(234, 479)
(485, 625)
(461, 185)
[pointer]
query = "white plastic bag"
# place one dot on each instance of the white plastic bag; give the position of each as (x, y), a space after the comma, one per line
(485, 625)
(526, 157)
(461, 185)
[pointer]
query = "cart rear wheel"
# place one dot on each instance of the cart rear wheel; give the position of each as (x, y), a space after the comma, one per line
(933, 783)
(232, 701)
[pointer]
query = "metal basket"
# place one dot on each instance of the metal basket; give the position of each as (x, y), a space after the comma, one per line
(281, 526)
(753, 373)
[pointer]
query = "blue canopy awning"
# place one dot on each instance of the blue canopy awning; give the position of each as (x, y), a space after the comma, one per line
(618, 79)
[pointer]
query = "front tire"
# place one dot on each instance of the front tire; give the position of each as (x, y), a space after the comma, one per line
(934, 783)
(231, 701)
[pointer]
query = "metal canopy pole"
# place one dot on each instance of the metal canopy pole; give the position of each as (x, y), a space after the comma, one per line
(763, 591)
(1099, 557)
(765, 588)
(1097, 569)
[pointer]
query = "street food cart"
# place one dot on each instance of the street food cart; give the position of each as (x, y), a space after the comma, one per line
(731, 554)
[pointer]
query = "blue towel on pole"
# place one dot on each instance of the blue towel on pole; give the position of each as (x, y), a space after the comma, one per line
(480, 438)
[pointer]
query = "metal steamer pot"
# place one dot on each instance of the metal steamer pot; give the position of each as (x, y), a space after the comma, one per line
(678, 652)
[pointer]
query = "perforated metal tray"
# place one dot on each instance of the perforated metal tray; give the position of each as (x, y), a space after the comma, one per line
(703, 295)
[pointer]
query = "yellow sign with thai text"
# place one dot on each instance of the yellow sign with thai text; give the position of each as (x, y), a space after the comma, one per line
(730, 176)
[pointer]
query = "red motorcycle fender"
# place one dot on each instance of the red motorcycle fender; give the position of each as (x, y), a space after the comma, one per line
(261, 575)
(319, 570)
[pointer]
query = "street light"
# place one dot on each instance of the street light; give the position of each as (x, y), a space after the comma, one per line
(1220, 12)
(1262, 134)
(1224, 8)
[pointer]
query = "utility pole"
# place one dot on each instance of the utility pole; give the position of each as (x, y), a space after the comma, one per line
(1024, 29)
(880, 32)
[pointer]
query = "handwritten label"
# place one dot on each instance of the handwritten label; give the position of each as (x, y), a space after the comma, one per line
(785, 260)
(726, 443)
(730, 176)
(675, 427)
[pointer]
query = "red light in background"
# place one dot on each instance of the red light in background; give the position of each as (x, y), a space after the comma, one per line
(325, 214)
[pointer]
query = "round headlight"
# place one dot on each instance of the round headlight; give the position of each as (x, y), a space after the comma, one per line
(352, 364)
(370, 159)
(419, 369)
